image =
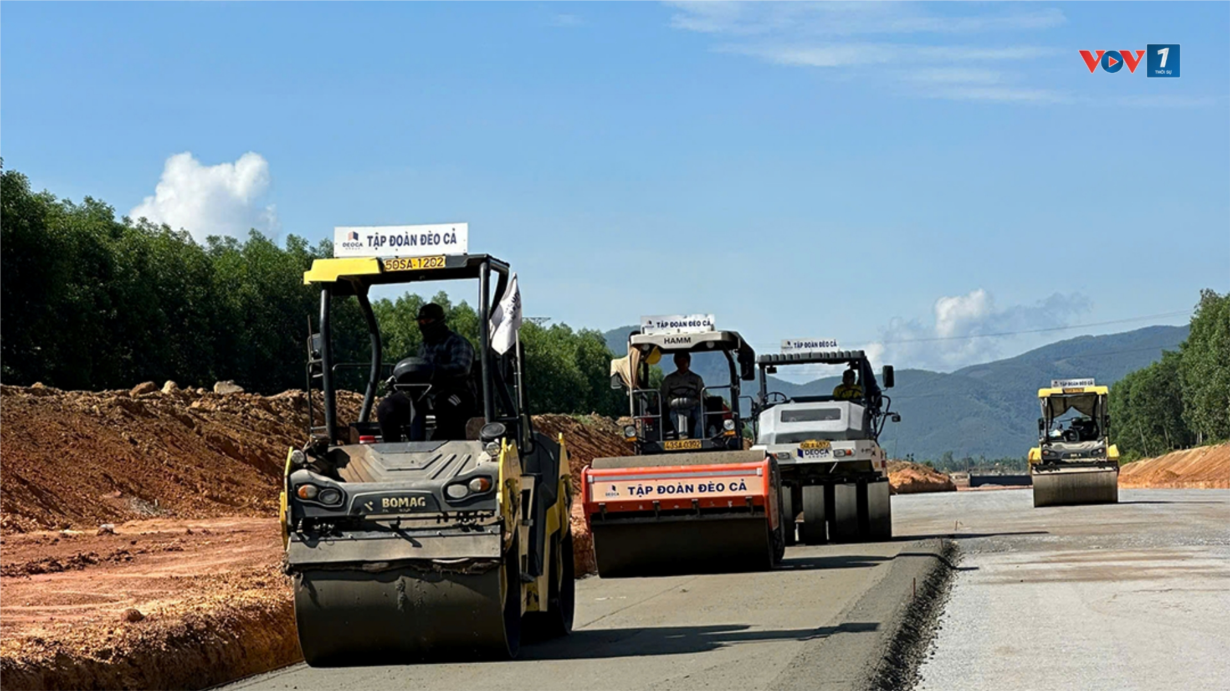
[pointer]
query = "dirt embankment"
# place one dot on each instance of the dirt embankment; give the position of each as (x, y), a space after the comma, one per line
(587, 438)
(1205, 467)
(181, 586)
(905, 477)
(154, 604)
(78, 459)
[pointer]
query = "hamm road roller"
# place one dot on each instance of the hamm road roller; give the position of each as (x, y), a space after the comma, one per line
(437, 544)
(691, 499)
(1074, 461)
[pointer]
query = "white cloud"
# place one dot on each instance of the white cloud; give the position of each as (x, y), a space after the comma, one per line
(566, 20)
(223, 199)
(1000, 94)
(830, 36)
(953, 75)
(969, 329)
(851, 54)
(846, 19)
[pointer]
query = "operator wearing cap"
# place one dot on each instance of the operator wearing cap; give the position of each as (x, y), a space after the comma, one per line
(847, 389)
(451, 394)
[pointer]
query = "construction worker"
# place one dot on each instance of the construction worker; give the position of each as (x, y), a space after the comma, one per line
(684, 384)
(451, 395)
(848, 390)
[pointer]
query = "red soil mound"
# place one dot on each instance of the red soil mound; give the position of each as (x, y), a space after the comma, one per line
(81, 458)
(587, 437)
(206, 591)
(1204, 467)
(905, 477)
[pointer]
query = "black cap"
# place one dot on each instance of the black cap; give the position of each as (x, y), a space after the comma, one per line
(431, 311)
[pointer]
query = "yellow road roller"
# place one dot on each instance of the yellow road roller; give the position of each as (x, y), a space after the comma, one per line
(437, 544)
(1074, 462)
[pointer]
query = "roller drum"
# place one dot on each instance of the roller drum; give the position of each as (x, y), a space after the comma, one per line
(1076, 487)
(703, 545)
(403, 614)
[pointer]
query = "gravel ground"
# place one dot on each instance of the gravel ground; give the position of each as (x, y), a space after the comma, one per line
(1134, 595)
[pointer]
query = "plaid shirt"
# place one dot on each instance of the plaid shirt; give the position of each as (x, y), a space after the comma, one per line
(452, 356)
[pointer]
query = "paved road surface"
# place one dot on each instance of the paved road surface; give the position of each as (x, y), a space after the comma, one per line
(799, 627)
(1134, 595)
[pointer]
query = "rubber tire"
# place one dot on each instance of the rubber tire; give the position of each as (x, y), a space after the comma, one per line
(812, 529)
(845, 526)
(561, 594)
(786, 497)
(880, 530)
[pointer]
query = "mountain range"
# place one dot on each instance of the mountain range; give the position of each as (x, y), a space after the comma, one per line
(986, 410)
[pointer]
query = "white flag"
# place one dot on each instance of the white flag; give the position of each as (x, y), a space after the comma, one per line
(506, 318)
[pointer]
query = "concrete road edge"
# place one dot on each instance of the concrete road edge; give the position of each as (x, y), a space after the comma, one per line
(883, 637)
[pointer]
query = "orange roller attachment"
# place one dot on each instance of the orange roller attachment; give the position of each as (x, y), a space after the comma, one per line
(671, 488)
(684, 517)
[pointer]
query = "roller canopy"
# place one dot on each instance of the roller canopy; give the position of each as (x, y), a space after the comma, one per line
(1085, 404)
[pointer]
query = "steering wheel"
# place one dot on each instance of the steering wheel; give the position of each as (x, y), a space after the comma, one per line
(777, 397)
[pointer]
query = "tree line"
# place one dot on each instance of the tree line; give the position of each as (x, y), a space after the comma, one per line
(1183, 399)
(92, 301)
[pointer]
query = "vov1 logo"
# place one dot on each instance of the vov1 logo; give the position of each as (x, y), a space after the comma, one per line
(1163, 60)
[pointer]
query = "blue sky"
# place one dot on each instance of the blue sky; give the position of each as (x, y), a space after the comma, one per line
(874, 173)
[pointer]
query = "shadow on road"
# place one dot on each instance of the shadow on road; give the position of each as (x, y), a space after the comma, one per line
(845, 561)
(673, 640)
(967, 536)
(1162, 501)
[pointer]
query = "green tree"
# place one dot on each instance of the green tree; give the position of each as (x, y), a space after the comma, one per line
(1146, 409)
(1205, 369)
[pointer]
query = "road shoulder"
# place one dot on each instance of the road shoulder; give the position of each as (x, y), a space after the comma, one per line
(885, 632)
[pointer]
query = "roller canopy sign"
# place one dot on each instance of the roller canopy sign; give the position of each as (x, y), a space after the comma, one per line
(401, 241)
(1071, 383)
(677, 324)
(794, 346)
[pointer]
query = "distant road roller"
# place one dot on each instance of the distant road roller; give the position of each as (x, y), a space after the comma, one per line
(691, 499)
(834, 471)
(1074, 461)
(434, 548)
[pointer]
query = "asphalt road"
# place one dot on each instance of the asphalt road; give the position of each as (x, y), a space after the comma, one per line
(817, 623)
(1134, 595)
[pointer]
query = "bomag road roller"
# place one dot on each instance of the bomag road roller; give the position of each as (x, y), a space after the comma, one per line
(834, 471)
(691, 499)
(1075, 464)
(433, 548)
